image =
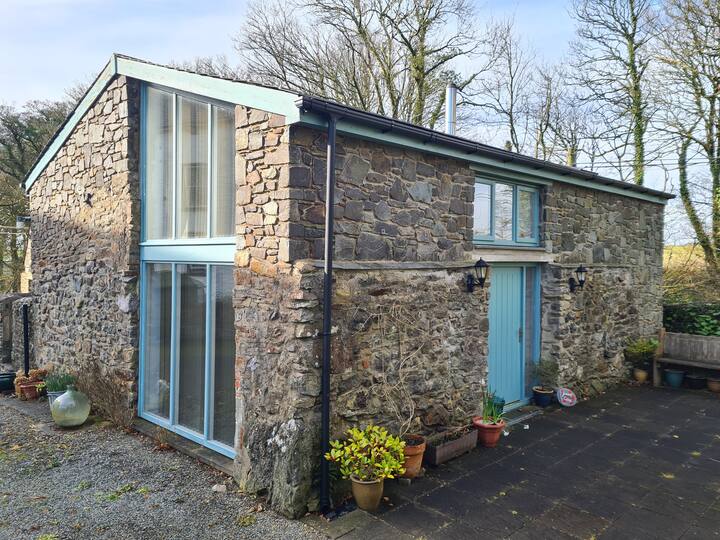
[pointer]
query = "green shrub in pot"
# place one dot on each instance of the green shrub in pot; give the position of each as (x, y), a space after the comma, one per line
(640, 354)
(367, 457)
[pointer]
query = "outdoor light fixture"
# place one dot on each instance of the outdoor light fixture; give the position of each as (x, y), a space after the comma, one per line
(579, 283)
(481, 272)
(22, 222)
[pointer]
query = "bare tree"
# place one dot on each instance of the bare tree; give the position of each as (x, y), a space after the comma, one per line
(690, 56)
(393, 57)
(503, 93)
(218, 66)
(611, 57)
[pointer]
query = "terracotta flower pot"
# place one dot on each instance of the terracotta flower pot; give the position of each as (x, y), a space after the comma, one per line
(414, 451)
(488, 434)
(367, 494)
(29, 390)
(713, 385)
(640, 375)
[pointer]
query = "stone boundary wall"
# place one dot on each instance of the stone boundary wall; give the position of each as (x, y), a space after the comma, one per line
(85, 249)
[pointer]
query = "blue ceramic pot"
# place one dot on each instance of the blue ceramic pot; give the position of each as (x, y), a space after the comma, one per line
(674, 377)
(542, 398)
(499, 403)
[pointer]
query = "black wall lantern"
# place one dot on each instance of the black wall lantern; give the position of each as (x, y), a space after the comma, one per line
(579, 283)
(481, 272)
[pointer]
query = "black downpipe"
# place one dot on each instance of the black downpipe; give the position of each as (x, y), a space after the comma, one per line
(327, 312)
(26, 339)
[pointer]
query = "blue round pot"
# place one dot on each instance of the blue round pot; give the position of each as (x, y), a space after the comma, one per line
(499, 403)
(542, 398)
(674, 377)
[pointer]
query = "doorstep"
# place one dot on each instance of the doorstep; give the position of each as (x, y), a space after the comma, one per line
(187, 447)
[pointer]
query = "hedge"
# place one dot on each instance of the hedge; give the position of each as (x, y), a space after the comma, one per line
(700, 319)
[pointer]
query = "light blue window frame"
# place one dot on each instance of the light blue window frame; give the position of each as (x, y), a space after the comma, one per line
(210, 251)
(516, 239)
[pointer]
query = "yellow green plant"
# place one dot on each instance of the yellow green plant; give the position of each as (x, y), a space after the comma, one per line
(368, 454)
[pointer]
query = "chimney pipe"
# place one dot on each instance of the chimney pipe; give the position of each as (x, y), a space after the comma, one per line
(450, 108)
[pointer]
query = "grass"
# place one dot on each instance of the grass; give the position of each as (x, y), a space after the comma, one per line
(685, 277)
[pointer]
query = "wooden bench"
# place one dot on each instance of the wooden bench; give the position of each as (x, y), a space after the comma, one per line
(686, 350)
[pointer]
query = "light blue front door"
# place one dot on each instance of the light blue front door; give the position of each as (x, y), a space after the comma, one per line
(505, 366)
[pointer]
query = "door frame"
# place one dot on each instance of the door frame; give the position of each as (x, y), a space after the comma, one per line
(536, 333)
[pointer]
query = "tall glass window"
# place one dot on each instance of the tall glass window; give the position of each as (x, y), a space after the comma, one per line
(223, 328)
(192, 202)
(223, 167)
(159, 163)
(189, 168)
(157, 327)
(187, 360)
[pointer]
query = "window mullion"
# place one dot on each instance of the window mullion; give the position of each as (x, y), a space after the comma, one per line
(210, 170)
(175, 154)
(208, 356)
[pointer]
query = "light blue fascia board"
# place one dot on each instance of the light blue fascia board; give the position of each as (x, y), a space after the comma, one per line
(527, 174)
(189, 253)
(498, 174)
(106, 75)
(257, 97)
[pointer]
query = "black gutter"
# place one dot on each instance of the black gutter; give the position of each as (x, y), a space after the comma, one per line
(327, 313)
(319, 105)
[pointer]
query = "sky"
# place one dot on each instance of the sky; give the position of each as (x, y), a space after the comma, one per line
(50, 45)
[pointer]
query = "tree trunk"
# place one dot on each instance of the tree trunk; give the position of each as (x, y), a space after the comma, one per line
(712, 261)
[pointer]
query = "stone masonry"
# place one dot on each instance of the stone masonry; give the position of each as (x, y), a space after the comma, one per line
(85, 248)
(620, 240)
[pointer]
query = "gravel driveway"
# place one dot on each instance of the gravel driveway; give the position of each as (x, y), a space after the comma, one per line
(100, 482)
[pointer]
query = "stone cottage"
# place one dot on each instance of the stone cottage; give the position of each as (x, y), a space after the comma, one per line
(179, 225)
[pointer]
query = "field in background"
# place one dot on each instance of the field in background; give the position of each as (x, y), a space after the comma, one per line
(685, 276)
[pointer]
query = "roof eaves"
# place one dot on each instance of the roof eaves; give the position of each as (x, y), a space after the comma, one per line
(468, 147)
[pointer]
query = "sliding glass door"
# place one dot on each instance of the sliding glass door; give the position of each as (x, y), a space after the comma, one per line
(188, 358)
(187, 353)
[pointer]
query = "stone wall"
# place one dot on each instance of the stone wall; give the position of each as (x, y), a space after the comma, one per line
(85, 253)
(391, 204)
(620, 240)
(410, 349)
(276, 319)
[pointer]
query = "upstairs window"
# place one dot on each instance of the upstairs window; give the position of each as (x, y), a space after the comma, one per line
(189, 167)
(506, 214)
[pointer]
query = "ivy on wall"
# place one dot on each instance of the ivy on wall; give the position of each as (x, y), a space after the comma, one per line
(701, 318)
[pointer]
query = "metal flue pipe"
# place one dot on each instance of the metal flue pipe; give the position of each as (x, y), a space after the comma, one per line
(450, 109)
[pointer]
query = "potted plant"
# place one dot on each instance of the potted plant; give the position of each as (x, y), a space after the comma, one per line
(18, 382)
(490, 423)
(546, 374)
(450, 444)
(367, 457)
(56, 384)
(640, 354)
(30, 389)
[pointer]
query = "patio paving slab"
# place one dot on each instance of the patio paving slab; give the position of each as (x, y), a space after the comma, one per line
(635, 463)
